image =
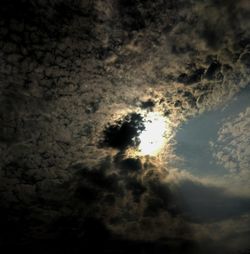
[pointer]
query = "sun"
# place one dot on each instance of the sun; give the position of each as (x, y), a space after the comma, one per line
(152, 137)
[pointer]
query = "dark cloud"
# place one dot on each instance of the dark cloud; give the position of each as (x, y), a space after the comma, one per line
(69, 70)
(245, 59)
(192, 78)
(203, 203)
(130, 164)
(131, 17)
(213, 69)
(149, 104)
(124, 133)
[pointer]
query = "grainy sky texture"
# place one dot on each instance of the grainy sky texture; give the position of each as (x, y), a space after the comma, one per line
(77, 78)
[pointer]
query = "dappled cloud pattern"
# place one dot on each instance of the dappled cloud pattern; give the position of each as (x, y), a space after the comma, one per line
(70, 71)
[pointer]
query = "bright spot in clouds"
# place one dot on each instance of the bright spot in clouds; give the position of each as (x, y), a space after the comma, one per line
(152, 137)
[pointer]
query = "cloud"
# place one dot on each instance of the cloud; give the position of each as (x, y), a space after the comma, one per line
(232, 149)
(207, 203)
(124, 133)
(70, 68)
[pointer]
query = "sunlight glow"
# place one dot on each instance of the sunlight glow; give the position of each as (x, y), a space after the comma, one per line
(152, 138)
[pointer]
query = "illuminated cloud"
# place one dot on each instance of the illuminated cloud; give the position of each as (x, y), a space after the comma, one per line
(232, 149)
(69, 69)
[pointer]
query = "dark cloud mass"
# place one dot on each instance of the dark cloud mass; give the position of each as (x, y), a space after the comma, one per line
(77, 78)
(124, 133)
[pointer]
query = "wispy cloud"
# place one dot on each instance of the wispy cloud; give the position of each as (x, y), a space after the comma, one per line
(232, 150)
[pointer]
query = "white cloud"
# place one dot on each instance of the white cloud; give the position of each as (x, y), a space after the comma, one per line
(232, 149)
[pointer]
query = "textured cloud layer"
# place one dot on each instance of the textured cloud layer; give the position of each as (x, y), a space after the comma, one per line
(232, 150)
(70, 68)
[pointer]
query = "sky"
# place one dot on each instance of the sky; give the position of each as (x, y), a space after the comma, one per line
(196, 137)
(125, 126)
